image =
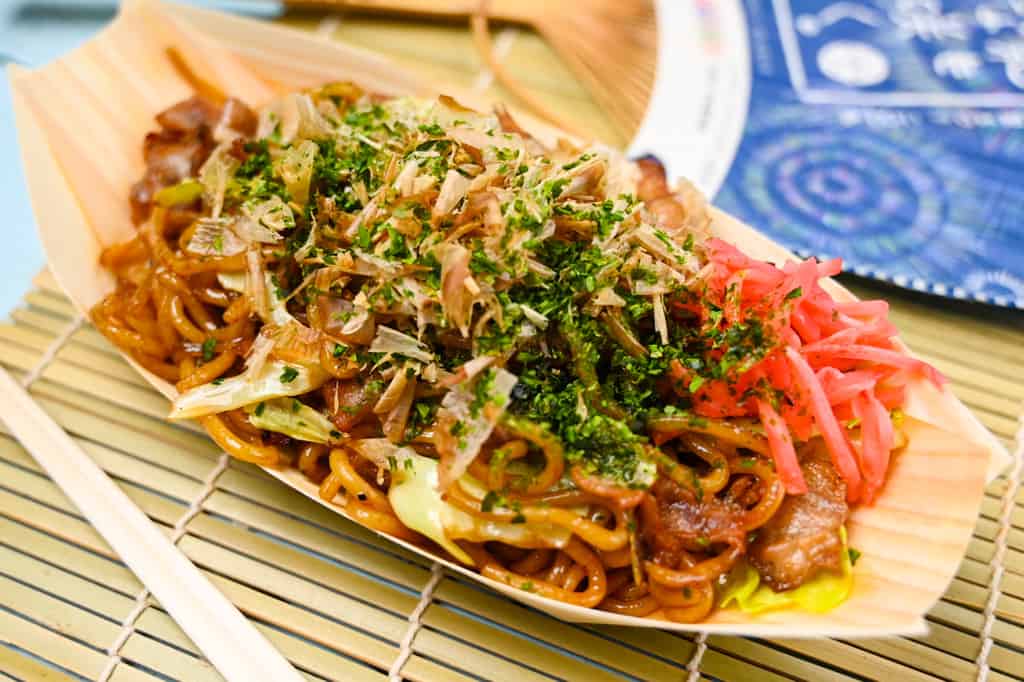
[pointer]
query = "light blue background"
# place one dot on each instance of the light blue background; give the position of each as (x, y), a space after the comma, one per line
(34, 32)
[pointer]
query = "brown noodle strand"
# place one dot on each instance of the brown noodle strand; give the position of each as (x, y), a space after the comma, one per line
(589, 563)
(493, 470)
(213, 296)
(686, 610)
(309, 463)
(533, 562)
(239, 422)
(558, 568)
(623, 497)
(263, 455)
(182, 324)
(208, 371)
(627, 598)
(384, 522)
(772, 497)
(164, 370)
(742, 433)
(554, 457)
(702, 572)
(165, 325)
(354, 484)
(595, 535)
(573, 578)
(616, 559)
(126, 253)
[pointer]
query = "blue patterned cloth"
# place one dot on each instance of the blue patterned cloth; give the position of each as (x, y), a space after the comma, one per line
(891, 134)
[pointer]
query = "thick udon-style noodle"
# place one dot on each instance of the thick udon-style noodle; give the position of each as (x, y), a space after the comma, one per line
(172, 315)
(167, 304)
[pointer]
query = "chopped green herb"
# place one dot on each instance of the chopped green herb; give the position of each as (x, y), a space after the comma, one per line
(491, 499)
(209, 347)
(432, 129)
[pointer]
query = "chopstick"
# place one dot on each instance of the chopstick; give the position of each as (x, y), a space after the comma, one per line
(226, 638)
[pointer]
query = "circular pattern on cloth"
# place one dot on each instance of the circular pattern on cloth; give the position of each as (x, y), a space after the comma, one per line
(846, 193)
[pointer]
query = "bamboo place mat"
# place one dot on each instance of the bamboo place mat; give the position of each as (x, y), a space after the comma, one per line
(342, 604)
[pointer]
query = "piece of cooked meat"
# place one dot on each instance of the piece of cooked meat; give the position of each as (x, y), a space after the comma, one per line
(349, 402)
(802, 538)
(675, 208)
(182, 145)
(680, 522)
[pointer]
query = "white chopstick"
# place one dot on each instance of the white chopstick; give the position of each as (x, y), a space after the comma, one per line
(226, 638)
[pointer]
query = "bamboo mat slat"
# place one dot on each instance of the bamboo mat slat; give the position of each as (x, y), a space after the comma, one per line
(335, 598)
(49, 645)
(18, 666)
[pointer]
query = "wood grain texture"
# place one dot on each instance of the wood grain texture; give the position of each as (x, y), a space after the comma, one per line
(913, 539)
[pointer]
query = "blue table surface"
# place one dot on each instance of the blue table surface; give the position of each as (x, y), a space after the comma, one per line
(34, 32)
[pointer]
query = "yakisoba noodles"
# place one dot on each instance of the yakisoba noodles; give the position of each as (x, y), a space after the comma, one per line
(536, 361)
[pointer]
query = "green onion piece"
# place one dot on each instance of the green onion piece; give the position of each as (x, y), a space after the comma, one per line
(185, 192)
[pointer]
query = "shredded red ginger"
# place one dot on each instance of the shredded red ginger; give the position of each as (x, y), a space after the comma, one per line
(836, 365)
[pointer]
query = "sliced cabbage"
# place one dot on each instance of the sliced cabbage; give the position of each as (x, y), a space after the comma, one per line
(214, 176)
(297, 170)
(822, 593)
(275, 379)
(417, 503)
(292, 418)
